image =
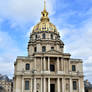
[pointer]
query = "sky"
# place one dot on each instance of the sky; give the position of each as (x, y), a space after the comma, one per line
(73, 19)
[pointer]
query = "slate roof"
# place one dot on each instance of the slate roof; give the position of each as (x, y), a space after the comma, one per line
(4, 77)
(87, 84)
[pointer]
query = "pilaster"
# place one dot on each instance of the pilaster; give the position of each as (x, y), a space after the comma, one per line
(44, 64)
(71, 85)
(48, 63)
(48, 84)
(34, 84)
(58, 83)
(63, 85)
(44, 85)
(57, 64)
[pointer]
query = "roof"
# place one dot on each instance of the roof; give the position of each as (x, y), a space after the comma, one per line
(5, 78)
(87, 84)
(45, 25)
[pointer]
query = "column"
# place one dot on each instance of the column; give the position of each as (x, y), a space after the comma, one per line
(31, 84)
(82, 85)
(48, 84)
(41, 65)
(63, 85)
(64, 65)
(69, 66)
(44, 85)
(61, 64)
(71, 85)
(41, 85)
(48, 63)
(18, 83)
(58, 83)
(34, 84)
(35, 63)
(82, 81)
(22, 84)
(44, 64)
(79, 85)
(57, 64)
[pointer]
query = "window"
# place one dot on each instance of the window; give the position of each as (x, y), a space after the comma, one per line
(26, 85)
(52, 48)
(36, 36)
(27, 66)
(43, 36)
(51, 36)
(74, 85)
(52, 68)
(73, 68)
(35, 49)
(61, 46)
(43, 49)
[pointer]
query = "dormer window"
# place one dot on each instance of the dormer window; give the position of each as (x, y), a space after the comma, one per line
(43, 15)
(43, 36)
(51, 36)
(36, 36)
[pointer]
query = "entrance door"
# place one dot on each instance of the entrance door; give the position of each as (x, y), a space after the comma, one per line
(52, 87)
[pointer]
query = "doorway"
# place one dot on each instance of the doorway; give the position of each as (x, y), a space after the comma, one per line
(52, 87)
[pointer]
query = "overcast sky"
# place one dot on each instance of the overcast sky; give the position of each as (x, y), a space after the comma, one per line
(73, 19)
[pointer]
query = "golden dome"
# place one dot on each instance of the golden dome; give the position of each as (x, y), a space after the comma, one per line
(45, 24)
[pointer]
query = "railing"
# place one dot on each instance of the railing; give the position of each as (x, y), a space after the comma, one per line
(76, 73)
(48, 73)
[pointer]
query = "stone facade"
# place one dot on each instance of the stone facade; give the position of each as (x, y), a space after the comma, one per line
(47, 68)
(5, 84)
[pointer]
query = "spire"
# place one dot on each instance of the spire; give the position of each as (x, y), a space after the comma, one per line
(44, 4)
(44, 13)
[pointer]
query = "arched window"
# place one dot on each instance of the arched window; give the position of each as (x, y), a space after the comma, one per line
(43, 36)
(51, 36)
(43, 48)
(27, 66)
(36, 36)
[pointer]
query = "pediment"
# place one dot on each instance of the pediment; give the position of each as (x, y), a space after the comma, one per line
(53, 52)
